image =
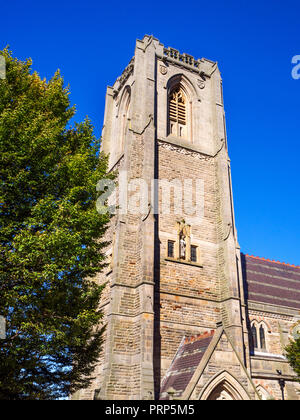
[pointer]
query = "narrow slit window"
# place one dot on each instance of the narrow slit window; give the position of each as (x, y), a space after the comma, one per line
(254, 336)
(193, 253)
(262, 337)
(171, 249)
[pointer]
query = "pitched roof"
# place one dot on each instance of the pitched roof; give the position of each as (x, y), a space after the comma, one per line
(272, 282)
(184, 364)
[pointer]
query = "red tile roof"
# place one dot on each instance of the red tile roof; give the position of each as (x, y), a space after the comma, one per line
(271, 261)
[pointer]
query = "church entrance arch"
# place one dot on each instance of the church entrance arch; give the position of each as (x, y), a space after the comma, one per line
(224, 387)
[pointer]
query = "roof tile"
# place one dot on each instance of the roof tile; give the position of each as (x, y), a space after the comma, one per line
(188, 357)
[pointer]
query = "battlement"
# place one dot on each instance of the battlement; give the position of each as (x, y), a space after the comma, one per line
(182, 58)
(171, 54)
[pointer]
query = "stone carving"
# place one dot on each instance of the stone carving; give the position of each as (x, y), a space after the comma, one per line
(163, 69)
(296, 331)
(201, 84)
(182, 247)
(186, 152)
(178, 96)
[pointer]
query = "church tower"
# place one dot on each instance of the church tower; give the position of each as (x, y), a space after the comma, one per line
(175, 264)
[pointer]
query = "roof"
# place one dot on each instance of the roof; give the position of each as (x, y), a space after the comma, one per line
(271, 282)
(184, 364)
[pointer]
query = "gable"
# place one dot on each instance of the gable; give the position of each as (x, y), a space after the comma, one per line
(223, 373)
(205, 367)
(184, 365)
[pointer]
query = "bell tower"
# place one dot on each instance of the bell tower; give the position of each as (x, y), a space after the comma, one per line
(175, 266)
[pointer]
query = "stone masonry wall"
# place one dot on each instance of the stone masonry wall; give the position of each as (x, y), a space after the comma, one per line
(187, 294)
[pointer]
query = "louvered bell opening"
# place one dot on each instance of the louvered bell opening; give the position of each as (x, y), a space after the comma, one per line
(177, 112)
(181, 113)
(173, 110)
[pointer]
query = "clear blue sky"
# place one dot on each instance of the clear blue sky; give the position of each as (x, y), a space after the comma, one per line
(92, 41)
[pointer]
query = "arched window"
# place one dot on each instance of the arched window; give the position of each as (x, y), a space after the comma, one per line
(177, 112)
(124, 115)
(254, 336)
(258, 336)
(262, 337)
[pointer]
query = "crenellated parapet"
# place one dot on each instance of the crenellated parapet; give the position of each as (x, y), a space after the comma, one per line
(182, 58)
(202, 66)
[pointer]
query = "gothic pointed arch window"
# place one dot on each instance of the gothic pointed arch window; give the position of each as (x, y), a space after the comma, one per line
(258, 336)
(124, 117)
(177, 112)
(262, 337)
(254, 336)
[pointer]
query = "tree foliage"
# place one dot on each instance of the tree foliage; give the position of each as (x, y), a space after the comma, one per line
(50, 251)
(293, 355)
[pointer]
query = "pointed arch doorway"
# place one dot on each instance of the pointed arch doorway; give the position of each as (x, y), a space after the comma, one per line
(224, 387)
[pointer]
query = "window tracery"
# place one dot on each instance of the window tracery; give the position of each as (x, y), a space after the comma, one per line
(258, 336)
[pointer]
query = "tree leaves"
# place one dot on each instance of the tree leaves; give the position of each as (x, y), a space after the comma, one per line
(293, 355)
(50, 242)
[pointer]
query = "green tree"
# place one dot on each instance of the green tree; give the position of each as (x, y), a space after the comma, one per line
(293, 355)
(50, 241)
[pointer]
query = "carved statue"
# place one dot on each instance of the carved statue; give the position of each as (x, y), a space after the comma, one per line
(182, 247)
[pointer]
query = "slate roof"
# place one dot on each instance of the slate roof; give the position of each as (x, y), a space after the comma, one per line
(187, 359)
(271, 282)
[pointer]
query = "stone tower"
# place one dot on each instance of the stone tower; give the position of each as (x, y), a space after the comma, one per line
(175, 264)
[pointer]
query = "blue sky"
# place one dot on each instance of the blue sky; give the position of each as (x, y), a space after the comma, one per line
(254, 42)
